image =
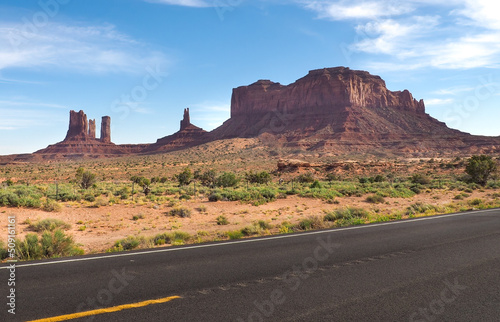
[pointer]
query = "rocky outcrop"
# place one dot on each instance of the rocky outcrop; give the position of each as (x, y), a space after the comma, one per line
(106, 129)
(342, 111)
(78, 126)
(336, 110)
(81, 140)
(186, 120)
(188, 135)
(323, 90)
(92, 129)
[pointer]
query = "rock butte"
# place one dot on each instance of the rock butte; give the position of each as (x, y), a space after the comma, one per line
(337, 110)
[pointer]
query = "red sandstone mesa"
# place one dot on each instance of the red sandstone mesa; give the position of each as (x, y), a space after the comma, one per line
(336, 110)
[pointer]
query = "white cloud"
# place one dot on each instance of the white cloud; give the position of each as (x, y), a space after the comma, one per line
(459, 34)
(438, 101)
(187, 3)
(345, 10)
(86, 49)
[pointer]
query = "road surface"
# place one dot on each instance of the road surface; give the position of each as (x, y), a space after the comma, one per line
(443, 268)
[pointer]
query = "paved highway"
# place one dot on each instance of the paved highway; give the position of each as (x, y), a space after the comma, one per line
(444, 268)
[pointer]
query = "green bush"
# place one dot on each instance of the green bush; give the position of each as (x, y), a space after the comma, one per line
(48, 224)
(419, 208)
(480, 168)
(259, 177)
(305, 178)
(375, 199)
(237, 234)
(214, 197)
(180, 212)
(184, 178)
(419, 178)
(227, 179)
(50, 245)
(51, 206)
(315, 185)
(128, 243)
(311, 223)
(222, 220)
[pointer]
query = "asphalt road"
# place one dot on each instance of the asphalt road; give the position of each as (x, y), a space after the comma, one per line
(444, 268)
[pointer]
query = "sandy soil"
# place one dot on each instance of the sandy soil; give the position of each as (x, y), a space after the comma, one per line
(105, 225)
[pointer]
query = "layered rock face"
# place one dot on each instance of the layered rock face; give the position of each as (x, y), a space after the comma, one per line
(78, 126)
(106, 129)
(92, 129)
(341, 110)
(323, 90)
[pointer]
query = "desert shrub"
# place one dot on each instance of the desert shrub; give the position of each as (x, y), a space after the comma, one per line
(268, 194)
(227, 179)
(475, 202)
(419, 178)
(419, 208)
(101, 202)
(222, 220)
(124, 193)
(51, 244)
(305, 178)
(237, 234)
(48, 224)
(480, 168)
(375, 199)
(128, 243)
(180, 212)
(85, 179)
(202, 208)
(137, 217)
(51, 206)
(311, 223)
(68, 196)
(214, 197)
(4, 253)
(250, 230)
(89, 197)
(208, 178)
(315, 185)
(346, 213)
(260, 177)
(263, 224)
(184, 178)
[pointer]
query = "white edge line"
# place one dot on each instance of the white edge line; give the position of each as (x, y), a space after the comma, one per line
(253, 240)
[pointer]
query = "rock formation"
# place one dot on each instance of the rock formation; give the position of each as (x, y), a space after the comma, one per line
(92, 129)
(78, 126)
(81, 140)
(344, 111)
(106, 129)
(337, 110)
(188, 135)
(186, 121)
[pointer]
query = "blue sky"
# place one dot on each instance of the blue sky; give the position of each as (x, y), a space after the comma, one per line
(143, 61)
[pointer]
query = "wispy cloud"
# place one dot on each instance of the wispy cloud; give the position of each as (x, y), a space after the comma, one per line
(438, 101)
(460, 34)
(15, 103)
(81, 48)
(16, 119)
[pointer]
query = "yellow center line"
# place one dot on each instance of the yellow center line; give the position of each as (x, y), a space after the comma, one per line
(107, 310)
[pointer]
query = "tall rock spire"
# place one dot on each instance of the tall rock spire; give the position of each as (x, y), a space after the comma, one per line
(78, 126)
(106, 129)
(186, 120)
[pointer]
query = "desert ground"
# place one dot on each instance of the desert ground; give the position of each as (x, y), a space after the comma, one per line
(314, 193)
